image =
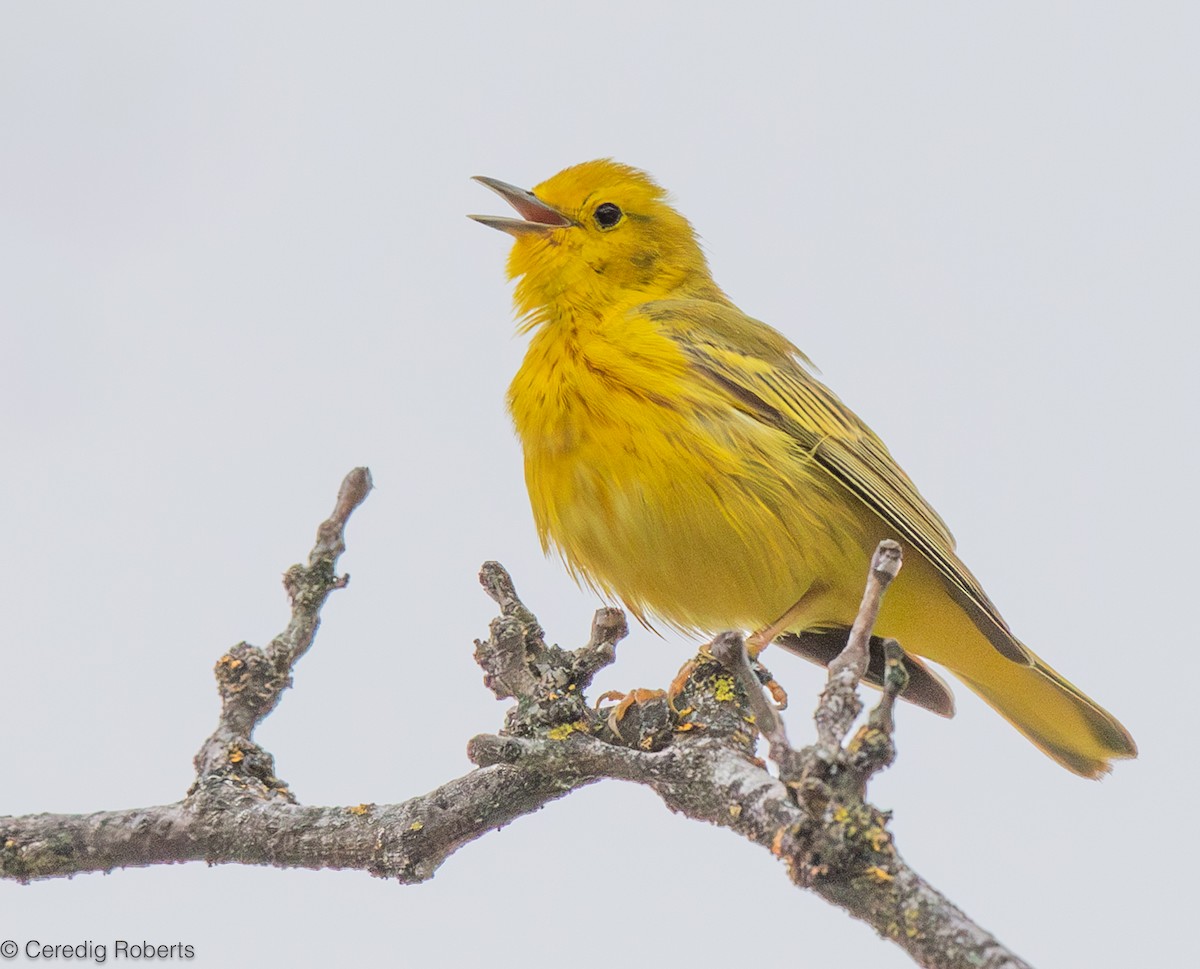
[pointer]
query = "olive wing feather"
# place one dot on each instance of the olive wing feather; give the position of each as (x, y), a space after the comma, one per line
(767, 377)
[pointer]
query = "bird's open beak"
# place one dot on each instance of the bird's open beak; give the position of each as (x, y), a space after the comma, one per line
(537, 217)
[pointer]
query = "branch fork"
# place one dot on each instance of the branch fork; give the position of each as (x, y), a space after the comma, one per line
(695, 748)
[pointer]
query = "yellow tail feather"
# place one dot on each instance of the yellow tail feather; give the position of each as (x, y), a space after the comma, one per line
(1056, 716)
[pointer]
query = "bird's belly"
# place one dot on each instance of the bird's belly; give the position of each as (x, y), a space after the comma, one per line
(704, 524)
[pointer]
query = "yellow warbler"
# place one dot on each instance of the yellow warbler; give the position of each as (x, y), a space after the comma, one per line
(681, 456)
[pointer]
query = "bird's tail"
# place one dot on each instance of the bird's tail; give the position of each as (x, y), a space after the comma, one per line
(1056, 715)
(973, 643)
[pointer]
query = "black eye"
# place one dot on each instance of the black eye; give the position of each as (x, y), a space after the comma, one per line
(607, 215)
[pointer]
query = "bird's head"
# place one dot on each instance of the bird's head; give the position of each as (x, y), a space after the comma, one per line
(596, 236)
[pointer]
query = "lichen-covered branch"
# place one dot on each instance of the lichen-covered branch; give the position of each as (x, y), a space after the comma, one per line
(694, 745)
(251, 680)
(406, 841)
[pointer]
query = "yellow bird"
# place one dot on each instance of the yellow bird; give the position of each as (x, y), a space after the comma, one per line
(681, 456)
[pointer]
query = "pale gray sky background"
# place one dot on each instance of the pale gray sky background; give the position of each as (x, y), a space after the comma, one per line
(234, 263)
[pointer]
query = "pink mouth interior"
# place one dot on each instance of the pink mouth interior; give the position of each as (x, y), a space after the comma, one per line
(533, 211)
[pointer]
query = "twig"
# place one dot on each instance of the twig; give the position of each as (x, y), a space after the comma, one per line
(872, 747)
(839, 704)
(252, 680)
(729, 649)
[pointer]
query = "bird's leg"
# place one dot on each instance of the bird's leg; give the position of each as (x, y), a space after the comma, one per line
(763, 638)
(760, 640)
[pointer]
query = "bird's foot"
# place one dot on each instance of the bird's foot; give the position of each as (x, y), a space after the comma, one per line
(679, 684)
(778, 694)
(640, 717)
